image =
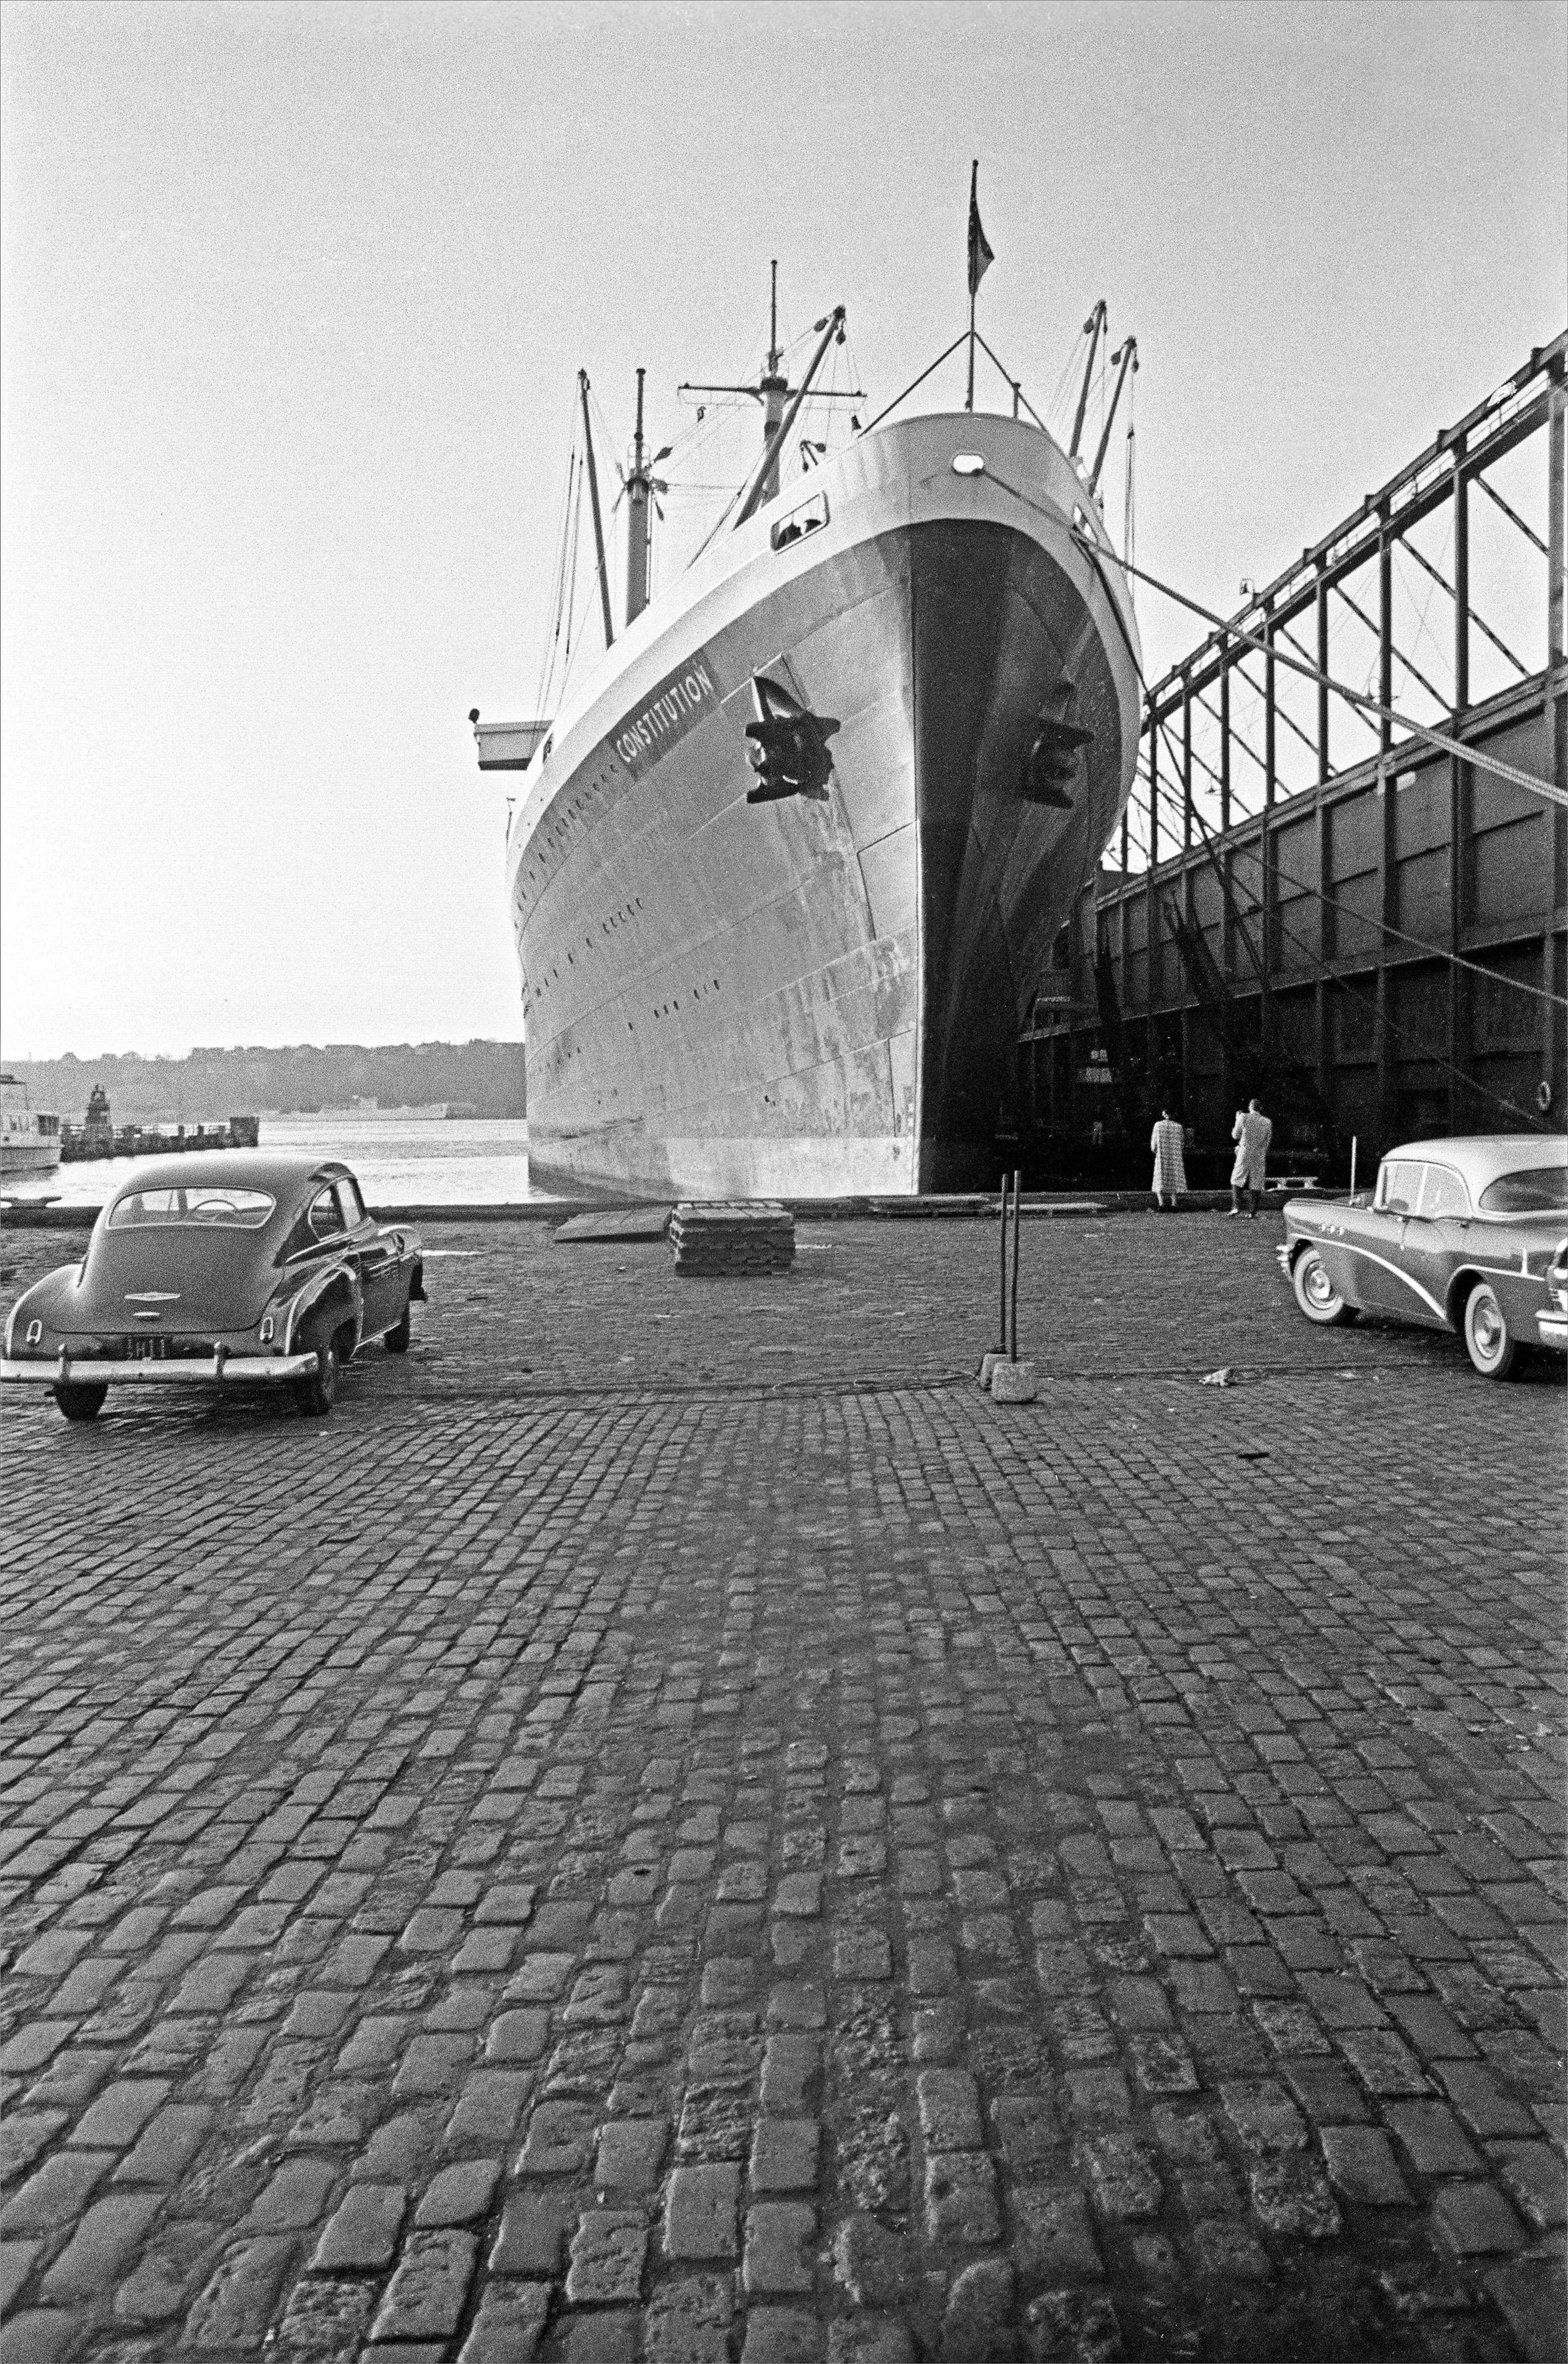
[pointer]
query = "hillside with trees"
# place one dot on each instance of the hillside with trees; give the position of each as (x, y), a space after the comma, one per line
(481, 1078)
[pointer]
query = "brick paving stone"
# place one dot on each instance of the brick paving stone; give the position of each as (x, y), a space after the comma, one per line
(460, 2194)
(699, 2212)
(871, 2263)
(1053, 2240)
(1532, 2293)
(362, 2235)
(1476, 2220)
(1363, 2169)
(326, 2317)
(1228, 2252)
(531, 2236)
(119, 2114)
(781, 2335)
(1533, 2175)
(508, 2325)
(233, 2309)
(774, 2263)
(687, 2321)
(960, 2198)
(949, 2109)
(630, 2154)
(785, 2155)
(295, 2197)
(608, 2250)
(1431, 2137)
(166, 2147)
(106, 2236)
(40, 2335)
(54, 2197)
(426, 2296)
(16, 2262)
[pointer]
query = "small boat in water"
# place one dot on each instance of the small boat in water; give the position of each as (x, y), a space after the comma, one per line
(30, 1137)
(786, 868)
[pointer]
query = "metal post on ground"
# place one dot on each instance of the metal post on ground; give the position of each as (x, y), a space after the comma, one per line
(1001, 1314)
(1013, 1294)
(1009, 1380)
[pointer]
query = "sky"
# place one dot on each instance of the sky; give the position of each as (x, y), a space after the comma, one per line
(294, 301)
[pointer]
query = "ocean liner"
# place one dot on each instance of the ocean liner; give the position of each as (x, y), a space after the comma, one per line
(784, 871)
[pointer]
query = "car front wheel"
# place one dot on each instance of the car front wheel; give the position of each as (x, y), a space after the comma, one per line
(317, 1391)
(81, 1402)
(1488, 1340)
(1316, 1293)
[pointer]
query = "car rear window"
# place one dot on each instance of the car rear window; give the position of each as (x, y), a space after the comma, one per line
(200, 1206)
(1445, 1194)
(1534, 1190)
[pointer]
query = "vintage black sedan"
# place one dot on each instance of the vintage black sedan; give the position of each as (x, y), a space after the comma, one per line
(1465, 1234)
(224, 1268)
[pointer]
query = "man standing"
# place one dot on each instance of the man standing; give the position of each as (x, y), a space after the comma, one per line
(1252, 1133)
(1170, 1165)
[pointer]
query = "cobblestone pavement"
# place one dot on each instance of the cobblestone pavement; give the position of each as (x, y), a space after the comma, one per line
(671, 1826)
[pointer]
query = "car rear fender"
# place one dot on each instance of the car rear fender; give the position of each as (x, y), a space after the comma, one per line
(336, 1285)
(48, 1301)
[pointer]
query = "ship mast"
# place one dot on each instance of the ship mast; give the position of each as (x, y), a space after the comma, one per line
(636, 490)
(642, 486)
(768, 475)
(773, 391)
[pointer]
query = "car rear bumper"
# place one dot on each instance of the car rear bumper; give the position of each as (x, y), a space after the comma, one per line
(1553, 1329)
(99, 1370)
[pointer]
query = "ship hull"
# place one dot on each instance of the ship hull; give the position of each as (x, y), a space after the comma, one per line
(29, 1155)
(808, 998)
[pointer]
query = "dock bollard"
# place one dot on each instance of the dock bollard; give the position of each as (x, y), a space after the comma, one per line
(1012, 1381)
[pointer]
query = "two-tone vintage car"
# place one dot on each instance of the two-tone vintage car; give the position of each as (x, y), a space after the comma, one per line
(1465, 1235)
(228, 1268)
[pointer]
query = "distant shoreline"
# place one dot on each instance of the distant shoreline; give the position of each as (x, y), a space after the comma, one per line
(398, 1080)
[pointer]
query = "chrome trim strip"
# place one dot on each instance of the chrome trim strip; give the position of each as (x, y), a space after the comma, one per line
(93, 1371)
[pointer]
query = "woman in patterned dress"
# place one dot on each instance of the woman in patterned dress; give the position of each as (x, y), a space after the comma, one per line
(1170, 1169)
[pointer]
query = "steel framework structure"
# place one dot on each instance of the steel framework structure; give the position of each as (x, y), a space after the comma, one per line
(1334, 890)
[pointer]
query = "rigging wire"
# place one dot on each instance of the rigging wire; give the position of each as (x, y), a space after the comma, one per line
(1127, 498)
(572, 566)
(546, 658)
(1069, 369)
(1475, 756)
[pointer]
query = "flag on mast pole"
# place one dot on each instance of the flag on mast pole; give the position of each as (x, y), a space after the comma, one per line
(980, 255)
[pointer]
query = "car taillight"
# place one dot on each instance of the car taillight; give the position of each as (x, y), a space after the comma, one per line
(35, 1331)
(268, 1330)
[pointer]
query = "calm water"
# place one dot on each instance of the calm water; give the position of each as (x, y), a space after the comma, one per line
(402, 1161)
